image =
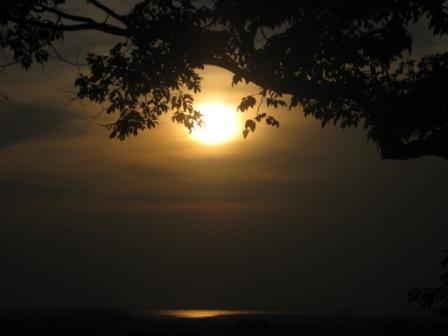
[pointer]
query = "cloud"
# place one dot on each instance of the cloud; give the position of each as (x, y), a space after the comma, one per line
(39, 189)
(26, 122)
(18, 191)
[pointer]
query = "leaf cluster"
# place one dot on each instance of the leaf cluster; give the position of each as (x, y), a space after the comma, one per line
(347, 63)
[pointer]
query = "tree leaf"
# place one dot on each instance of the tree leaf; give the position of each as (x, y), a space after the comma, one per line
(250, 124)
(247, 103)
(271, 121)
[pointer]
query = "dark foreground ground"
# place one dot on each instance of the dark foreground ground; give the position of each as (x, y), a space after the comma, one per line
(65, 322)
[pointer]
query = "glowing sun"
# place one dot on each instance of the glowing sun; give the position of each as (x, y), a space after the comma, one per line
(221, 125)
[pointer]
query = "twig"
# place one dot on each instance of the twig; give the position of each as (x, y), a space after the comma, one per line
(61, 58)
(263, 33)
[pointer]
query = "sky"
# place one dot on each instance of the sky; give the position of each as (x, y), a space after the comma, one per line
(298, 217)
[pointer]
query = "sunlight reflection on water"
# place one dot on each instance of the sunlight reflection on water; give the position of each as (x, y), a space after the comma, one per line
(198, 313)
(205, 313)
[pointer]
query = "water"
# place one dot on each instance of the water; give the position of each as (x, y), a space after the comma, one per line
(197, 313)
(222, 322)
(206, 313)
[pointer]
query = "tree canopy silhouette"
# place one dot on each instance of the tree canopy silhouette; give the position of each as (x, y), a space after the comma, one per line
(345, 62)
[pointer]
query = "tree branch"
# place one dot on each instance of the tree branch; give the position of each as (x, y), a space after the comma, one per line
(68, 16)
(107, 10)
(103, 27)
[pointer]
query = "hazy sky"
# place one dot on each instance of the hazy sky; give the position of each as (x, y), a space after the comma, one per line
(292, 218)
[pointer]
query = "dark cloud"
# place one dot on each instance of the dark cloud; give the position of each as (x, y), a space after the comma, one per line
(16, 191)
(27, 122)
(37, 190)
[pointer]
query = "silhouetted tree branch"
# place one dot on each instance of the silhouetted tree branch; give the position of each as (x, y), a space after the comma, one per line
(344, 62)
(107, 10)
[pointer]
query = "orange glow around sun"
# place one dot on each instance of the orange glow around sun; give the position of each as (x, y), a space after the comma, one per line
(221, 125)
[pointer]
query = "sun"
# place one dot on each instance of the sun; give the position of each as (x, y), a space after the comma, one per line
(221, 124)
